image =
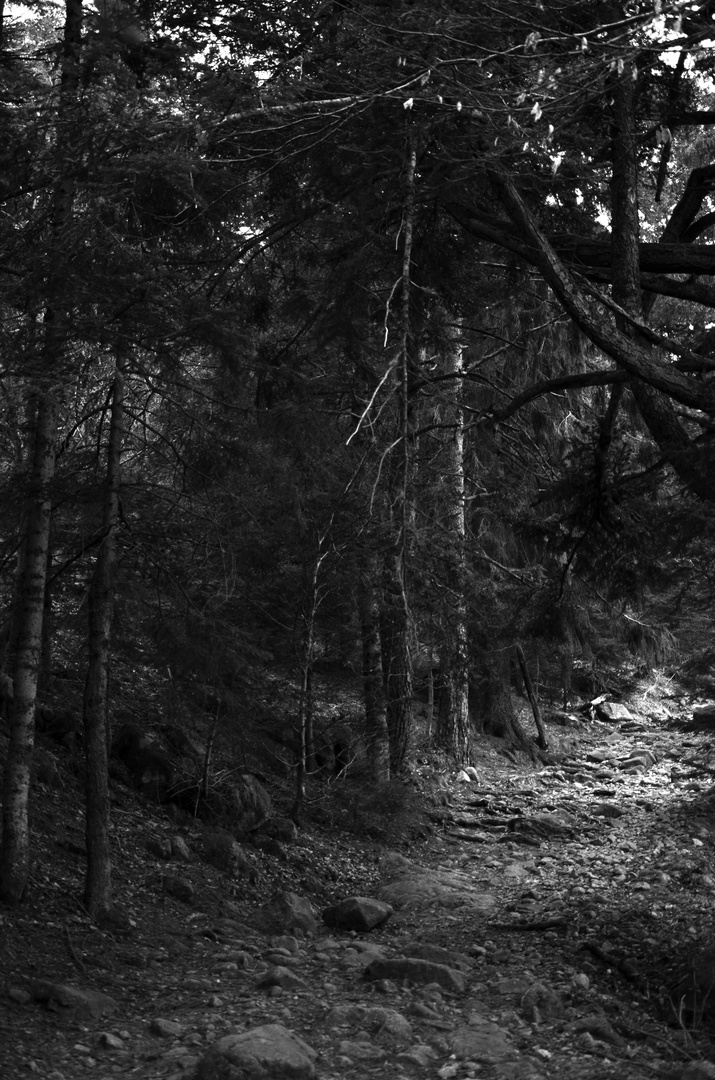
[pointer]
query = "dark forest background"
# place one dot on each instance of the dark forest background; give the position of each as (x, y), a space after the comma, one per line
(355, 339)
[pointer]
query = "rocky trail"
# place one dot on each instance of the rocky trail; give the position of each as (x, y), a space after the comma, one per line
(556, 921)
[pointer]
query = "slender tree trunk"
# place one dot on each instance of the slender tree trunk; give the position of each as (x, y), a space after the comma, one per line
(44, 675)
(394, 611)
(15, 848)
(396, 663)
(376, 731)
(533, 699)
(306, 736)
(453, 731)
(98, 880)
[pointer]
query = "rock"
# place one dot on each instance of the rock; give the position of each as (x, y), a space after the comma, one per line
(161, 847)
(638, 761)
(288, 912)
(64, 998)
(416, 971)
(180, 849)
(390, 1027)
(271, 1052)
(482, 1041)
(247, 804)
(612, 712)
(283, 977)
(179, 888)
(609, 810)
(271, 846)
(541, 1002)
(417, 1058)
(361, 953)
(361, 1050)
(412, 886)
(106, 1040)
(599, 1028)
(544, 826)
(222, 850)
(360, 913)
(282, 829)
(166, 1028)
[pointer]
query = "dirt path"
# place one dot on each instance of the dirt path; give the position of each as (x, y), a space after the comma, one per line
(568, 903)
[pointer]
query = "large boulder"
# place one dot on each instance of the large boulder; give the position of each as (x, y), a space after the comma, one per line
(248, 803)
(360, 913)
(270, 1052)
(222, 850)
(286, 913)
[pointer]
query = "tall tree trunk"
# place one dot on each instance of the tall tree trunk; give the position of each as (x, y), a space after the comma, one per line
(98, 879)
(396, 662)
(500, 719)
(44, 674)
(15, 847)
(394, 611)
(453, 712)
(306, 735)
(376, 731)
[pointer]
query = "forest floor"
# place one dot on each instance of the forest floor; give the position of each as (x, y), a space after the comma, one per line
(575, 902)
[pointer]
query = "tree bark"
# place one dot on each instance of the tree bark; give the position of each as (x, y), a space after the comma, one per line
(376, 731)
(453, 730)
(15, 848)
(531, 693)
(306, 737)
(500, 719)
(396, 663)
(98, 879)
(692, 463)
(586, 254)
(394, 612)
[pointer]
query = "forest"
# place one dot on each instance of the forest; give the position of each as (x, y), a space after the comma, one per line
(345, 335)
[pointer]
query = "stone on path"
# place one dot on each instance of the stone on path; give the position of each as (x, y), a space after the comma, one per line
(417, 971)
(288, 912)
(360, 913)
(283, 977)
(64, 998)
(409, 885)
(482, 1041)
(271, 1052)
(611, 711)
(608, 810)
